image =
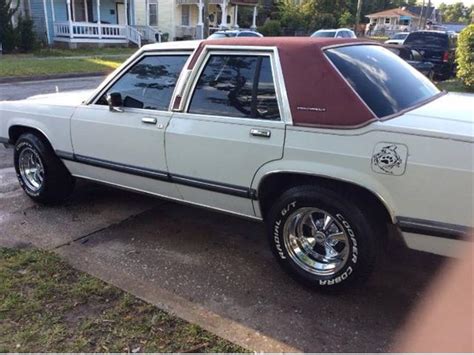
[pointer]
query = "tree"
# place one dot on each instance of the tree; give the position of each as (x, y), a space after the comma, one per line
(7, 32)
(346, 19)
(456, 12)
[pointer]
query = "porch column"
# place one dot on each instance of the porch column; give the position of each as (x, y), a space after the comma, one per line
(52, 10)
(69, 17)
(223, 24)
(200, 24)
(254, 19)
(236, 14)
(126, 12)
(99, 25)
(48, 37)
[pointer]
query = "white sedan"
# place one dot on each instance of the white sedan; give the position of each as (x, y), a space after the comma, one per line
(316, 137)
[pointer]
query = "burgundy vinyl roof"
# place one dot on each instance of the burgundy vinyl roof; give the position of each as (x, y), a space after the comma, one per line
(317, 93)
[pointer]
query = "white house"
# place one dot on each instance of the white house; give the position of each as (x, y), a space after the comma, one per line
(103, 22)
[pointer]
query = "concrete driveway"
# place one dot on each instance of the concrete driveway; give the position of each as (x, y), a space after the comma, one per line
(212, 269)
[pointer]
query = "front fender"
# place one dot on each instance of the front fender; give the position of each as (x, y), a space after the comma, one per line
(52, 121)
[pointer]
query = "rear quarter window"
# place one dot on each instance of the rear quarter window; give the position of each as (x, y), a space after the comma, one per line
(385, 82)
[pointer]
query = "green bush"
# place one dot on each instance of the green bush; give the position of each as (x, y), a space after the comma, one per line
(465, 56)
(8, 36)
(26, 37)
(271, 28)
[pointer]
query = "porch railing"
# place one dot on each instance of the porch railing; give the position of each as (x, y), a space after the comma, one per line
(96, 31)
(149, 33)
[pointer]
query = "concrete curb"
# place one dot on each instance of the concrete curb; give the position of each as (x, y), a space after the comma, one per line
(16, 79)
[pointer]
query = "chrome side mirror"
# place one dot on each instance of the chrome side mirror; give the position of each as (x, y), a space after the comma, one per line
(114, 99)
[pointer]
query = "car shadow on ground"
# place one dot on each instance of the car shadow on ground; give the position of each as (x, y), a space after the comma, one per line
(223, 264)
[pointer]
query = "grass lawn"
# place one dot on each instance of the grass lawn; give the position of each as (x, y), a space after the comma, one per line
(454, 85)
(24, 66)
(45, 305)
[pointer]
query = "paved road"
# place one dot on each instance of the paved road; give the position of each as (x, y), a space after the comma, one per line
(18, 91)
(211, 269)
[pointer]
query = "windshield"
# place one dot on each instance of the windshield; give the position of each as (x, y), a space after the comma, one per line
(324, 34)
(385, 82)
(424, 39)
(222, 35)
(400, 36)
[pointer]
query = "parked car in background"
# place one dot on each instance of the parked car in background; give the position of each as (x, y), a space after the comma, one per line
(437, 47)
(414, 58)
(255, 127)
(397, 38)
(234, 33)
(335, 33)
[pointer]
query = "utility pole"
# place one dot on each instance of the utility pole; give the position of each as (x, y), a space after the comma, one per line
(205, 16)
(420, 22)
(357, 19)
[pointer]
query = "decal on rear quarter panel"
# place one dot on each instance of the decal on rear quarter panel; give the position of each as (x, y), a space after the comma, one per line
(389, 158)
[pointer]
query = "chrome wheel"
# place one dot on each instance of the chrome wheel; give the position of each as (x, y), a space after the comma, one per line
(31, 169)
(316, 241)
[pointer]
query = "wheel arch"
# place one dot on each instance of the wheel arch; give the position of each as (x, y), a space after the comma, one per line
(16, 130)
(274, 183)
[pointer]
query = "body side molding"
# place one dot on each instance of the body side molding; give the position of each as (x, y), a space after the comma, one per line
(433, 228)
(224, 188)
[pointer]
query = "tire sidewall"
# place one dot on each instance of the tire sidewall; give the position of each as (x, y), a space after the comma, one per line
(354, 226)
(24, 143)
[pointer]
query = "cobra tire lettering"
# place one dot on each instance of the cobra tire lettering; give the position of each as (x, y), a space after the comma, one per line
(355, 252)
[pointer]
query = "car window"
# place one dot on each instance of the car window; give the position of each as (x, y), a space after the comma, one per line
(427, 39)
(340, 34)
(218, 35)
(236, 86)
(385, 82)
(248, 34)
(149, 84)
(324, 34)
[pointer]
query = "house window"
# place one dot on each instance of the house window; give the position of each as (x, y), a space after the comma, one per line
(185, 15)
(387, 20)
(153, 13)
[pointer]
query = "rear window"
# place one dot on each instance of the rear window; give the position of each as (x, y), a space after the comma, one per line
(426, 39)
(385, 82)
(218, 35)
(324, 34)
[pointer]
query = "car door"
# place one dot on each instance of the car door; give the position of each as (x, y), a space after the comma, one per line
(232, 124)
(126, 146)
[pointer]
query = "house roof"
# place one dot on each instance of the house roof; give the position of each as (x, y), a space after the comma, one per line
(392, 13)
(416, 10)
(314, 87)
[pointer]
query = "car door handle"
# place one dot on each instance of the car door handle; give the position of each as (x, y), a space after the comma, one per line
(149, 120)
(260, 132)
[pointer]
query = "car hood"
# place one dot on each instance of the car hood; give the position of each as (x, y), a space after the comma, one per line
(449, 116)
(68, 98)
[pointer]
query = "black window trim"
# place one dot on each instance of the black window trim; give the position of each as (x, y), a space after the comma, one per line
(236, 52)
(375, 117)
(136, 60)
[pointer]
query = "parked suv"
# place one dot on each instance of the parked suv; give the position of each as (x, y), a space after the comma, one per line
(329, 142)
(437, 47)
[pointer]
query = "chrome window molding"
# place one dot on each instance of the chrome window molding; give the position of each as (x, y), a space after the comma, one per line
(166, 52)
(237, 50)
